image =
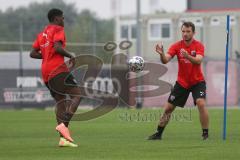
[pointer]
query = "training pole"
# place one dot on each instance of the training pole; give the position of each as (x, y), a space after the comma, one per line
(226, 80)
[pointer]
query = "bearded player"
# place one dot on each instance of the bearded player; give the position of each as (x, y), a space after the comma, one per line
(190, 53)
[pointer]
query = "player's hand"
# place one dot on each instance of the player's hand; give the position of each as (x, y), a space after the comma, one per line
(184, 53)
(73, 55)
(159, 49)
(71, 63)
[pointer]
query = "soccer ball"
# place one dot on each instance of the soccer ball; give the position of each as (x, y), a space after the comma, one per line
(136, 64)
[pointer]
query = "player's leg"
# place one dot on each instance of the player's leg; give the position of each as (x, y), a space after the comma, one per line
(68, 87)
(60, 107)
(178, 97)
(57, 87)
(74, 93)
(73, 103)
(164, 119)
(65, 84)
(60, 100)
(203, 116)
(199, 96)
(168, 109)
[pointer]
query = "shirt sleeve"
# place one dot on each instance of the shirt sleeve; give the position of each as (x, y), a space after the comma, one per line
(172, 51)
(59, 36)
(200, 49)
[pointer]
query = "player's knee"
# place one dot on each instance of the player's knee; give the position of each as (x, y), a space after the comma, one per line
(200, 103)
(76, 99)
(59, 97)
(169, 108)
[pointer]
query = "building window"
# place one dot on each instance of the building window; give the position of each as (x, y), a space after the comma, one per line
(165, 30)
(155, 30)
(159, 30)
(232, 20)
(124, 31)
(215, 21)
(134, 31)
(197, 21)
(128, 30)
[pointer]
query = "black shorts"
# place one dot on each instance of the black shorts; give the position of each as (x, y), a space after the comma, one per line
(60, 83)
(179, 94)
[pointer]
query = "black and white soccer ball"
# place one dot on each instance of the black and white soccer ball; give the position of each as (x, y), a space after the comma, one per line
(136, 64)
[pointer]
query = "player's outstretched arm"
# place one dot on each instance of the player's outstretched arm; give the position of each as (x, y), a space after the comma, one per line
(194, 60)
(165, 58)
(60, 50)
(35, 54)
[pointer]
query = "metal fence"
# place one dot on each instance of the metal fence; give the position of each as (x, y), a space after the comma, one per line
(21, 84)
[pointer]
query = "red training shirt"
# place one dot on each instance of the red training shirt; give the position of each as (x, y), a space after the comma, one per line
(188, 73)
(52, 62)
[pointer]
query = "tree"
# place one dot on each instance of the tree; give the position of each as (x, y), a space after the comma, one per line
(83, 27)
(33, 18)
(89, 29)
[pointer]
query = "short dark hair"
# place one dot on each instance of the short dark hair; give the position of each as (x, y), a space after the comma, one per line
(189, 24)
(54, 12)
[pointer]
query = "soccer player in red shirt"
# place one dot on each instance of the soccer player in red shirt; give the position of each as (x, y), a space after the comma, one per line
(190, 53)
(50, 47)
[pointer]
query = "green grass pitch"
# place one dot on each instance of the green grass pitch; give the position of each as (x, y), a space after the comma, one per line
(119, 135)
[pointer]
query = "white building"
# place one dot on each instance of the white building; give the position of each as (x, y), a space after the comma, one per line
(165, 27)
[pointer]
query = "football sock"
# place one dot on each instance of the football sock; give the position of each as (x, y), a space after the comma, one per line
(66, 118)
(160, 130)
(205, 131)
